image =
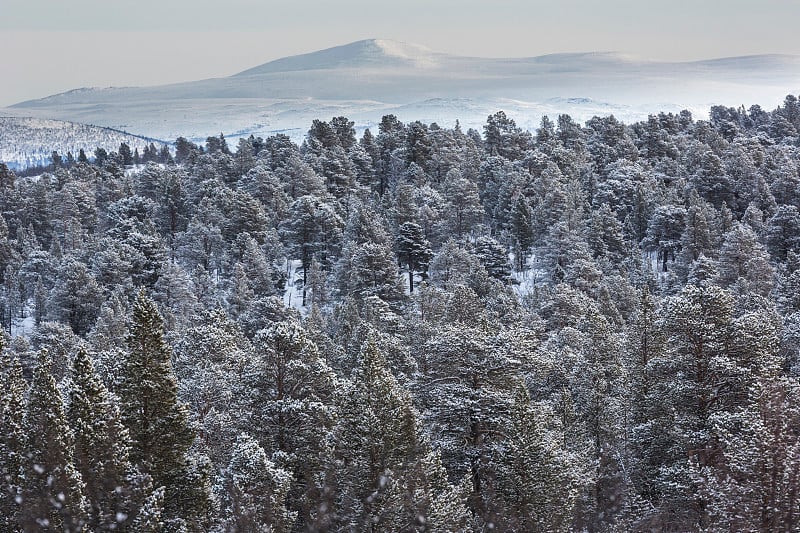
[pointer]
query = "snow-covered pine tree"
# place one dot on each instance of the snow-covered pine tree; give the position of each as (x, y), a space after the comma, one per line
(597, 387)
(537, 481)
(463, 210)
(494, 258)
(101, 448)
(258, 490)
(413, 250)
(522, 231)
(148, 519)
(710, 364)
(12, 436)
(312, 230)
(291, 401)
(157, 422)
(388, 481)
(756, 487)
(51, 496)
(645, 342)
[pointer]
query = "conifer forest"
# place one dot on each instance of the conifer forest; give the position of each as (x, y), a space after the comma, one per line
(588, 327)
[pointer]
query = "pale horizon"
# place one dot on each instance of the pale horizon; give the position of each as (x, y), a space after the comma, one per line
(55, 47)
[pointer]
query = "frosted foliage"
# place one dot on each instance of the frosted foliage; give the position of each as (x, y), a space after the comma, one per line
(489, 326)
(258, 490)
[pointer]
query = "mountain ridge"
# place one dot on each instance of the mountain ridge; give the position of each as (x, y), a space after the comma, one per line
(367, 79)
(396, 57)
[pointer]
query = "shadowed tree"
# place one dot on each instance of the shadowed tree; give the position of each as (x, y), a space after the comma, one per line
(414, 251)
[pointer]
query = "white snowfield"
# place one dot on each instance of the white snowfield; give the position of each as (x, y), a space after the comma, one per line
(368, 79)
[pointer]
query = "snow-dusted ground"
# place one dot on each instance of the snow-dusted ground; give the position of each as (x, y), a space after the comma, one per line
(293, 294)
(22, 327)
(526, 280)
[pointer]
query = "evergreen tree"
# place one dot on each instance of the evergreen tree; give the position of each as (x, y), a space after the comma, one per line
(76, 297)
(258, 491)
(312, 230)
(504, 137)
(291, 400)
(522, 231)
(265, 186)
(664, 233)
(217, 145)
(463, 207)
(51, 497)
(389, 481)
(645, 344)
(126, 154)
(756, 488)
(149, 520)
(494, 258)
(373, 272)
(537, 481)
(710, 363)
(157, 422)
(12, 436)
(744, 261)
(209, 358)
(345, 132)
(100, 156)
(598, 396)
(418, 145)
(783, 232)
(101, 448)
(414, 251)
(464, 391)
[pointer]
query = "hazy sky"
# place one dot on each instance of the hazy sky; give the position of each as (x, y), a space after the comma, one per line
(49, 46)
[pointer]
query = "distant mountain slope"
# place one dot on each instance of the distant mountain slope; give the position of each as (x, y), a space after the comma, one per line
(372, 77)
(29, 142)
(361, 54)
(399, 73)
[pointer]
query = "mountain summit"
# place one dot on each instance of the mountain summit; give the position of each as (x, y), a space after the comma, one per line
(369, 53)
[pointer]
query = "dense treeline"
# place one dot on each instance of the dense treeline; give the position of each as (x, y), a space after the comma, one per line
(582, 328)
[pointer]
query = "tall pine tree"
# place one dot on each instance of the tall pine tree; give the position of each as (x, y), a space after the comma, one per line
(390, 480)
(101, 448)
(414, 251)
(158, 423)
(52, 491)
(12, 436)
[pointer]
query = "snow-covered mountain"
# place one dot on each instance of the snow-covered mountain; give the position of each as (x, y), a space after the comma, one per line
(372, 53)
(367, 79)
(29, 142)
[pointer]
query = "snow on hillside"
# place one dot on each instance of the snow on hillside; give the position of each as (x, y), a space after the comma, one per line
(28, 142)
(368, 79)
(374, 53)
(197, 119)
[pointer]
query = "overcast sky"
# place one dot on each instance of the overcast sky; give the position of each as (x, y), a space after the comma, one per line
(49, 46)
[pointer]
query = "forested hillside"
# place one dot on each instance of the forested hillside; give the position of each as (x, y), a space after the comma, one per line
(587, 328)
(27, 143)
